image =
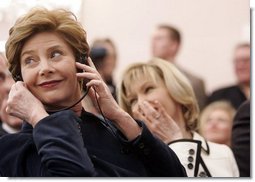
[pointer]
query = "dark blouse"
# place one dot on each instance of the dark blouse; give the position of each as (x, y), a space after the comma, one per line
(64, 145)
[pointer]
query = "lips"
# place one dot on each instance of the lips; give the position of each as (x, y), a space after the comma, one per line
(49, 84)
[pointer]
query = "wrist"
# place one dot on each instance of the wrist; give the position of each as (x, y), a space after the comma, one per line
(127, 125)
(36, 116)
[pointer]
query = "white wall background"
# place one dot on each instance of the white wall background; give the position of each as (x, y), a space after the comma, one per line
(210, 30)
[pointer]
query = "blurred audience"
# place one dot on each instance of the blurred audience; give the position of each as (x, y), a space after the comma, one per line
(158, 94)
(215, 123)
(8, 124)
(241, 141)
(238, 93)
(3, 74)
(166, 43)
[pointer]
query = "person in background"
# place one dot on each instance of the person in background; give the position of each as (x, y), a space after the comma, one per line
(166, 43)
(3, 75)
(8, 123)
(216, 121)
(240, 92)
(157, 93)
(47, 51)
(241, 138)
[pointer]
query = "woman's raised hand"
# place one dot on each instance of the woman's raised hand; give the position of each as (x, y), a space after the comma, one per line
(24, 105)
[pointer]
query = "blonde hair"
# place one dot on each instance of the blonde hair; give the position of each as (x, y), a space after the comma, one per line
(222, 105)
(178, 86)
(40, 20)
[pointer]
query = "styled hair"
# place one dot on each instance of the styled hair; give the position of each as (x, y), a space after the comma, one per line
(37, 20)
(174, 33)
(178, 86)
(217, 105)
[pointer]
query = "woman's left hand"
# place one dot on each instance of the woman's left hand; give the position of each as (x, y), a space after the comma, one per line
(99, 90)
(158, 121)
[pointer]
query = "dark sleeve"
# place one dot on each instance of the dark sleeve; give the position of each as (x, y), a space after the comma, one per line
(241, 139)
(60, 146)
(158, 158)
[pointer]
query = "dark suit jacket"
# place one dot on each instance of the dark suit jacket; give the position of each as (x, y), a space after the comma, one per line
(2, 131)
(198, 87)
(241, 139)
(232, 94)
(64, 145)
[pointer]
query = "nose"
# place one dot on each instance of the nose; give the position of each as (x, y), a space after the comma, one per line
(212, 123)
(45, 67)
(140, 99)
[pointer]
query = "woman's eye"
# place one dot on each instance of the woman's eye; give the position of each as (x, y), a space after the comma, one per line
(148, 89)
(29, 61)
(132, 102)
(55, 54)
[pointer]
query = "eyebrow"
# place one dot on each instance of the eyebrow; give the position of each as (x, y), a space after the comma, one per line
(49, 49)
(141, 88)
(26, 52)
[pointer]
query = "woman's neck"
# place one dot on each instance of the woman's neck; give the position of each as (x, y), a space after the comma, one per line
(182, 124)
(77, 109)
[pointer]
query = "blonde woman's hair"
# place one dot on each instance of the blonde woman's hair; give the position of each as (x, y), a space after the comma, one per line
(216, 105)
(39, 20)
(178, 86)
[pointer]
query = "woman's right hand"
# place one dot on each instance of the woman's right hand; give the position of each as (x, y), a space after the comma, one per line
(24, 105)
(158, 121)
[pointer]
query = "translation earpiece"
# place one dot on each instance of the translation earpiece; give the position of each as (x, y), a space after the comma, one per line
(17, 78)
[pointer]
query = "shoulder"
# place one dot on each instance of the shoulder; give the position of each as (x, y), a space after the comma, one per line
(2, 131)
(16, 149)
(192, 77)
(243, 113)
(220, 150)
(232, 88)
(15, 143)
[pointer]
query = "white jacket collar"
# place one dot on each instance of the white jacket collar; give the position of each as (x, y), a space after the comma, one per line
(204, 143)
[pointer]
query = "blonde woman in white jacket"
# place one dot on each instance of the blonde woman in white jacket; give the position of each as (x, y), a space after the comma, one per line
(158, 94)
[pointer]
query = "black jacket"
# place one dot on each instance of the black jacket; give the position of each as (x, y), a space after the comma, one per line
(2, 131)
(64, 145)
(241, 139)
(232, 94)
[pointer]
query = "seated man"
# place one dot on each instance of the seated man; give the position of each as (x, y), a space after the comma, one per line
(240, 92)
(8, 124)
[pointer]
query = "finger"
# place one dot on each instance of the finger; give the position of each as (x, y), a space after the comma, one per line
(138, 115)
(100, 87)
(85, 67)
(20, 85)
(161, 109)
(12, 91)
(90, 63)
(88, 75)
(149, 111)
(92, 94)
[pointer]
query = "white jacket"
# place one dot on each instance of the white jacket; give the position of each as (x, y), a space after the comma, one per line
(203, 158)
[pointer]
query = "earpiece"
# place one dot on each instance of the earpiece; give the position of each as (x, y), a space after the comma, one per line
(83, 60)
(17, 78)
